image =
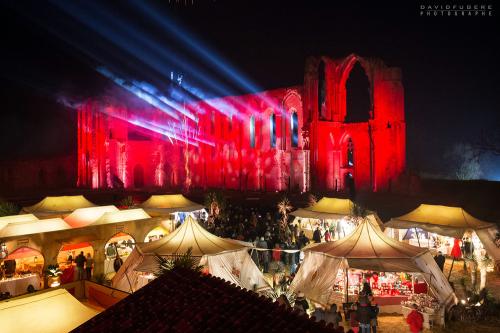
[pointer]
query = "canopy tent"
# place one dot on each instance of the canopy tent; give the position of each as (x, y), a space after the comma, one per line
(448, 221)
(367, 248)
(48, 312)
(161, 205)
(82, 217)
(23, 252)
(122, 216)
(4, 220)
(227, 259)
(326, 208)
(33, 227)
(57, 206)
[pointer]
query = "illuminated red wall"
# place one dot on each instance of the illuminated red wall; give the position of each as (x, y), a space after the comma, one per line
(217, 152)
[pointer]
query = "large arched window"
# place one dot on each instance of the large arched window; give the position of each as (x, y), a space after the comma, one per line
(294, 123)
(272, 130)
(358, 101)
(350, 153)
(252, 132)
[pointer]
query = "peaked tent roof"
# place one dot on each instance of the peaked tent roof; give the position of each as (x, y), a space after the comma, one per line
(4, 220)
(370, 249)
(48, 312)
(443, 220)
(84, 216)
(57, 206)
(326, 208)
(191, 234)
(33, 227)
(122, 216)
(169, 203)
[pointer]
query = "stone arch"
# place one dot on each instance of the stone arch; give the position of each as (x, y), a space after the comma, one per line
(344, 71)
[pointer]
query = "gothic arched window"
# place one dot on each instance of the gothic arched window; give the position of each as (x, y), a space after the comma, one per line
(350, 153)
(272, 129)
(294, 123)
(252, 132)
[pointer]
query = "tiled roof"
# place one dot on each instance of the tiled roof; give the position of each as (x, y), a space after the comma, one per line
(183, 301)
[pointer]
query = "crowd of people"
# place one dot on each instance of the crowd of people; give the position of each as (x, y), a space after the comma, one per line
(262, 228)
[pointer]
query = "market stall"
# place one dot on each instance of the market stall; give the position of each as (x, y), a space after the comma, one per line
(20, 269)
(119, 246)
(227, 259)
(333, 214)
(439, 227)
(335, 272)
(62, 206)
(174, 206)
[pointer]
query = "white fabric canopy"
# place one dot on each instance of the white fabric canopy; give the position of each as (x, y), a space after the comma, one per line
(161, 205)
(57, 206)
(55, 311)
(442, 220)
(224, 258)
(122, 216)
(33, 227)
(83, 217)
(326, 208)
(4, 220)
(367, 248)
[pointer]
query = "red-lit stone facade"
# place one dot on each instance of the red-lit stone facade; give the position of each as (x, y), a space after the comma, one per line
(276, 140)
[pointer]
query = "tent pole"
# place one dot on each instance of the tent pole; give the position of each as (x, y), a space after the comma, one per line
(418, 238)
(449, 274)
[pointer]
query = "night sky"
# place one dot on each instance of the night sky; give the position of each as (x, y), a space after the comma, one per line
(449, 64)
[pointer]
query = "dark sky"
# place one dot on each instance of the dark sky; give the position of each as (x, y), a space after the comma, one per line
(449, 64)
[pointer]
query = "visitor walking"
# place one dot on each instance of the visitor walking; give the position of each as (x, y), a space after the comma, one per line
(375, 311)
(88, 266)
(353, 319)
(364, 316)
(440, 259)
(80, 265)
(415, 320)
(317, 235)
(328, 237)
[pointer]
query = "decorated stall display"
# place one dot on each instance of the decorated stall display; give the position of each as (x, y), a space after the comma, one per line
(369, 263)
(428, 306)
(21, 269)
(117, 250)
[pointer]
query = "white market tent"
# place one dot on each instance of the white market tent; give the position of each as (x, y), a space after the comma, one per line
(227, 259)
(122, 216)
(4, 220)
(85, 216)
(33, 227)
(367, 248)
(57, 206)
(448, 221)
(162, 205)
(55, 311)
(326, 208)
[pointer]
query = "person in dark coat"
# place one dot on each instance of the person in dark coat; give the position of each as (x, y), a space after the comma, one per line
(317, 235)
(440, 259)
(364, 314)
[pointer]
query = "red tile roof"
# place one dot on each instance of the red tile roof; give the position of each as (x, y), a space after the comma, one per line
(183, 301)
